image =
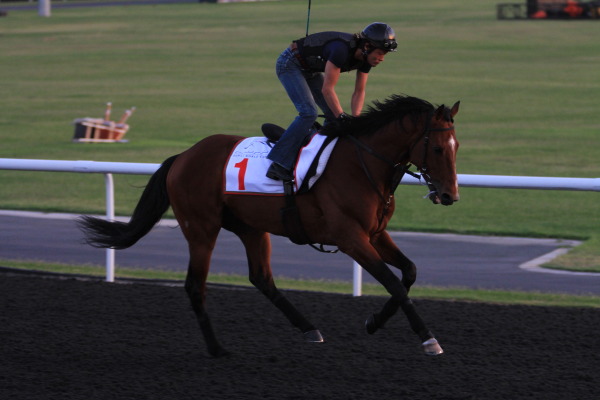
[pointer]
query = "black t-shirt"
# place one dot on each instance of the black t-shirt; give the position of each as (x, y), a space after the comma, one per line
(342, 56)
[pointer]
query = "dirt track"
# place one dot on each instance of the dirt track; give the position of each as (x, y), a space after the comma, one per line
(70, 339)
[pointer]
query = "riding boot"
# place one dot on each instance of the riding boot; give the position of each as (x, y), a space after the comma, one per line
(279, 173)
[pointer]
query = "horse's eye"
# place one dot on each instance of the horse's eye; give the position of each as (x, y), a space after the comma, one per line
(438, 149)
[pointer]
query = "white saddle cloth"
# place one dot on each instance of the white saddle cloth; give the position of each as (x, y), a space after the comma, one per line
(247, 165)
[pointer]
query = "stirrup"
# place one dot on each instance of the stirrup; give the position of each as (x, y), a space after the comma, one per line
(280, 173)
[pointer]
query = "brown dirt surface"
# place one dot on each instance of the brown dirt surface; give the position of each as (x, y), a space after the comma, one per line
(81, 339)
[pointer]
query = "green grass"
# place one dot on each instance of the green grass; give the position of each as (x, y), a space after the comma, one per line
(528, 91)
(437, 293)
(578, 259)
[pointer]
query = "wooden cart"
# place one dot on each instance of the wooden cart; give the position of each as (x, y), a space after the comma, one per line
(102, 130)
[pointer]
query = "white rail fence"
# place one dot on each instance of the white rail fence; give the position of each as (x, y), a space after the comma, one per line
(109, 168)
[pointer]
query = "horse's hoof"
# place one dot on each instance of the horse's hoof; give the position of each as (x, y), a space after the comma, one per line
(313, 337)
(371, 325)
(432, 347)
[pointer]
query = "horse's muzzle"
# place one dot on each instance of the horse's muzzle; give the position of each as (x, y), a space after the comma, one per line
(445, 199)
(448, 200)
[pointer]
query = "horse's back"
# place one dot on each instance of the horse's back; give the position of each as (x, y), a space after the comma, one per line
(211, 148)
(199, 169)
(208, 155)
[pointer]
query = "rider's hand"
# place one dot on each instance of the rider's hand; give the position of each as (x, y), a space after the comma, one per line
(343, 117)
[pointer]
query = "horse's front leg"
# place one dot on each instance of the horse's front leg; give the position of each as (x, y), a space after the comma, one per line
(391, 254)
(369, 259)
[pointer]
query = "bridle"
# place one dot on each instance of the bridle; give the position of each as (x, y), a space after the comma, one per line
(424, 169)
(400, 169)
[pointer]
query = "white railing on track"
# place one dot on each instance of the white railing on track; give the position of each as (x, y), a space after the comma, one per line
(109, 168)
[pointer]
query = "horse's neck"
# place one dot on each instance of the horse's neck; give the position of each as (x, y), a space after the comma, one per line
(395, 140)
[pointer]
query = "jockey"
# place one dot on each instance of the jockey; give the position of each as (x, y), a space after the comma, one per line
(309, 70)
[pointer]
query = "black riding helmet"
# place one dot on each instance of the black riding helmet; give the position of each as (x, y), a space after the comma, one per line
(380, 36)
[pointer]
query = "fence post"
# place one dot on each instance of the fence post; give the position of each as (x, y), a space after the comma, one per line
(110, 216)
(44, 8)
(357, 280)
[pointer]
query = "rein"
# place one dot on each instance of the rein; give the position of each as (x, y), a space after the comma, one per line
(399, 170)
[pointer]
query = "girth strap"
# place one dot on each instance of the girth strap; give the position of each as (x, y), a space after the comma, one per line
(290, 216)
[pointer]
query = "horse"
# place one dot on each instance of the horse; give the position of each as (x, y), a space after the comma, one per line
(348, 207)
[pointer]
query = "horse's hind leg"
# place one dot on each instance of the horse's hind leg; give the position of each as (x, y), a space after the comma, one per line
(258, 251)
(195, 286)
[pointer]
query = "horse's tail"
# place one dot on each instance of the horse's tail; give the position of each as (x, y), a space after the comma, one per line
(153, 203)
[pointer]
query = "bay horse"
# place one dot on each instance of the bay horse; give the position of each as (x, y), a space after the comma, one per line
(348, 207)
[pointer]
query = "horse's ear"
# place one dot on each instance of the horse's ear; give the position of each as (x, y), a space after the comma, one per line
(439, 113)
(455, 108)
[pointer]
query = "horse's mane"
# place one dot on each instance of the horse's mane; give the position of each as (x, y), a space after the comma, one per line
(379, 114)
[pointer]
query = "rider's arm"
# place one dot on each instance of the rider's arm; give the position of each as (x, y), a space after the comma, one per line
(358, 97)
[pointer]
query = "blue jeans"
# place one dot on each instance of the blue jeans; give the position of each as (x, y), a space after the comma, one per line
(304, 89)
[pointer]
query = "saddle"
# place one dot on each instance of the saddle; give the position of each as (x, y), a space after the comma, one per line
(274, 132)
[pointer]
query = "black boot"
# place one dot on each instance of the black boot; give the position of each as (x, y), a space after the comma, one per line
(279, 173)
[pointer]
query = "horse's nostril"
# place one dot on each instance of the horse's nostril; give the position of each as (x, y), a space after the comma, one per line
(447, 199)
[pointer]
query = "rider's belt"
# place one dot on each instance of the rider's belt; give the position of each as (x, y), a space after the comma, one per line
(294, 49)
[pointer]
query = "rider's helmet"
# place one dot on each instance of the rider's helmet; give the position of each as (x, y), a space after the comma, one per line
(380, 36)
